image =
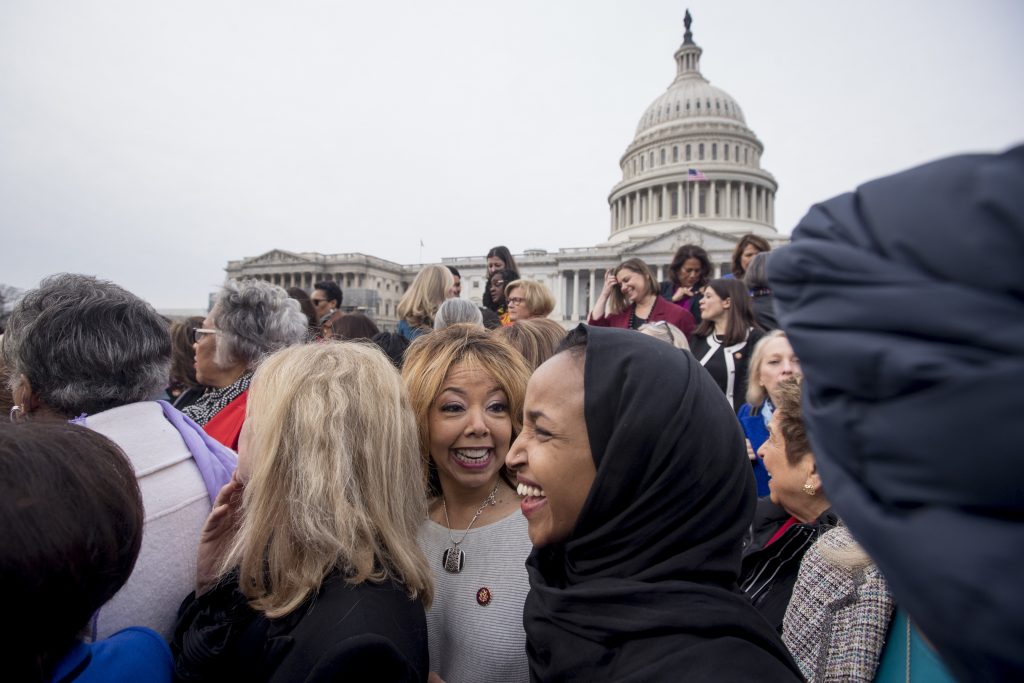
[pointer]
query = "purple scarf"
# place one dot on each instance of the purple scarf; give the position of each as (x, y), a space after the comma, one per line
(216, 462)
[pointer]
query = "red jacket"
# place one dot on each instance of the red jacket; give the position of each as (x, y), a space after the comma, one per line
(227, 424)
(662, 310)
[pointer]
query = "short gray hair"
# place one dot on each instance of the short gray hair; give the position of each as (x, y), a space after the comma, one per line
(454, 311)
(255, 318)
(86, 345)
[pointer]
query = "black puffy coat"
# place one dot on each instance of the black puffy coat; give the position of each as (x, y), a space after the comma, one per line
(905, 303)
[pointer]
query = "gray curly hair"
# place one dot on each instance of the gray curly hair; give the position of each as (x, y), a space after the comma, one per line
(86, 345)
(255, 319)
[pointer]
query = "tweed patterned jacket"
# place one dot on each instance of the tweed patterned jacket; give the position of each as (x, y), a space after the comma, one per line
(838, 618)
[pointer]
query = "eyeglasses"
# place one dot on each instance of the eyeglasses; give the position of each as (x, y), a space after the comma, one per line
(515, 301)
(198, 333)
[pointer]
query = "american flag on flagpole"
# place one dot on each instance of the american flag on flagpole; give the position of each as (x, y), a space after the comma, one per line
(694, 174)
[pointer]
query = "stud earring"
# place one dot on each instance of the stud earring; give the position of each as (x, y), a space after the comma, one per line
(810, 490)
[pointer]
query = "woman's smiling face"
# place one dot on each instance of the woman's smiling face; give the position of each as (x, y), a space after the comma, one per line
(470, 429)
(632, 284)
(551, 457)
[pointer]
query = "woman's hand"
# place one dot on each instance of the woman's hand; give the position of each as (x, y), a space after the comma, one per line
(218, 533)
(680, 293)
(609, 282)
(750, 451)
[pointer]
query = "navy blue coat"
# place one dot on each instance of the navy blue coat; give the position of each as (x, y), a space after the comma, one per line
(905, 303)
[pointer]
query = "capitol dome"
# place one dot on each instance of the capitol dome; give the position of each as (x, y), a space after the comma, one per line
(693, 160)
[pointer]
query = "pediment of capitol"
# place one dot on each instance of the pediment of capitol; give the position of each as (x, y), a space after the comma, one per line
(691, 175)
(278, 257)
(656, 248)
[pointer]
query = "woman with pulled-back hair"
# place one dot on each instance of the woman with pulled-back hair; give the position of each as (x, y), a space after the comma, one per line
(725, 338)
(687, 277)
(499, 259)
(251, 319)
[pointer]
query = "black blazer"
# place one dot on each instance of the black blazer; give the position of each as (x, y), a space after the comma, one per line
(364, 632)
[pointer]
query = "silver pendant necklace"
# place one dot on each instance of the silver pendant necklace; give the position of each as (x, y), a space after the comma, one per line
(454, 559)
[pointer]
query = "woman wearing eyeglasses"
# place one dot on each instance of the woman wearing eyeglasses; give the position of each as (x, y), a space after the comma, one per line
(250, 320)
(528, 299)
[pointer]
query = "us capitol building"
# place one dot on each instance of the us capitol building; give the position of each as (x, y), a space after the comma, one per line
(692, 174)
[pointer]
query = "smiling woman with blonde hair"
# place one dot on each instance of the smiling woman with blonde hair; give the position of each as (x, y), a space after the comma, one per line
(467, 386)
(322, 512)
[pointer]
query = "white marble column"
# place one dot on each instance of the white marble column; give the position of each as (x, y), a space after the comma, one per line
(576, 294)
(743, 200)
(665, 208)
(661, 275)
(592, 298)
(563, 299)
(650, 204)
(727, 210)
(679, 202)
(694, 200)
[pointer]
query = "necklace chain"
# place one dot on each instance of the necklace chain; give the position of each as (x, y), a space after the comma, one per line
(489, 500)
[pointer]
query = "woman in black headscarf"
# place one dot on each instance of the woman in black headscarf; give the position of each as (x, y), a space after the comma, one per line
(905, 303)
(638, 493)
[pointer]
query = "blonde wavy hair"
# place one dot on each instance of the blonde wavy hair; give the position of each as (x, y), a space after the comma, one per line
(427, 362)
(336, 481)
(427, 292)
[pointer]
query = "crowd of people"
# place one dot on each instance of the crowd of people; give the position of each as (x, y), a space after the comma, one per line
(764, 476)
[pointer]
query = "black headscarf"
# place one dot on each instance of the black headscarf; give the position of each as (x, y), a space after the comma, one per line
(644, 589)
(905, 303)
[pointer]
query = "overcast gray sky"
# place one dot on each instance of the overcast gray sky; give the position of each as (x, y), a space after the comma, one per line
(151, 142)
